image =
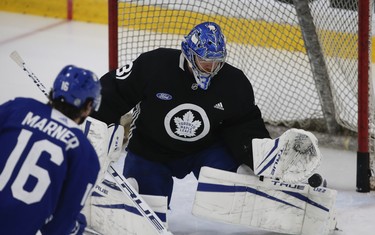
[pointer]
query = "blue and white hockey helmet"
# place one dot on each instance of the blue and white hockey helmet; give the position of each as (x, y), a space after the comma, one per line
(204, 48)
(75, 85)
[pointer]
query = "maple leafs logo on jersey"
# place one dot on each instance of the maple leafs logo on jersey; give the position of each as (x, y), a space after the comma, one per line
(187, 122)
(187, 126)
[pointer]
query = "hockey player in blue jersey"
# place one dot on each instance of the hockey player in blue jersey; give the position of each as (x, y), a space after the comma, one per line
(47, 165)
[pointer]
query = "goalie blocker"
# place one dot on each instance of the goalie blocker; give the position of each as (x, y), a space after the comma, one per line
(269, 204)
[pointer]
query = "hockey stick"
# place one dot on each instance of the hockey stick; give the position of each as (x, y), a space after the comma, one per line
(138, 201)
(17, 58)
(121, 182)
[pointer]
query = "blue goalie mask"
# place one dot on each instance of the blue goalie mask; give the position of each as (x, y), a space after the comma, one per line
(204, 49)
(75, 85)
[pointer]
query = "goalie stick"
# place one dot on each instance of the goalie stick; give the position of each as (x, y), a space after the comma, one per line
(121, 182)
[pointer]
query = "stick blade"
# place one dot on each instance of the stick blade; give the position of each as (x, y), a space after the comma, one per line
(17, 58)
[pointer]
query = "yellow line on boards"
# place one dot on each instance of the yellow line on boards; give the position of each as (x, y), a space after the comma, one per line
(169, 21)
(278, 36)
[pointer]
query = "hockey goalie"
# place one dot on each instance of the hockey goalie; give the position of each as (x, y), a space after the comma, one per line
(192, 110)
(274, 196)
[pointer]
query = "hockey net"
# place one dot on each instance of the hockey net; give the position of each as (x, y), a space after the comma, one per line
(300, 56)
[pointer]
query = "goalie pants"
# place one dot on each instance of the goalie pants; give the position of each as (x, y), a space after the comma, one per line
(155, 178)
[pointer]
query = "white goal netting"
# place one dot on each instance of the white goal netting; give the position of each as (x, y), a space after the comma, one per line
(304, 70)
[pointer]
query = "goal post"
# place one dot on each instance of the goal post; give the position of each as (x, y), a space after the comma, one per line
(301, 56)
(113, 34)
(363, 154)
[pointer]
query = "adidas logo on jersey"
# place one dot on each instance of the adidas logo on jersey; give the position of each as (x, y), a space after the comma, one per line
(219, 106)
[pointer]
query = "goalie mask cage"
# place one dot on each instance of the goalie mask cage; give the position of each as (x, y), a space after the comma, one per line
(300, 56)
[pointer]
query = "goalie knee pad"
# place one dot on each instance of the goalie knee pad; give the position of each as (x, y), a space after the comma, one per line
(133, 182)
(293, 157)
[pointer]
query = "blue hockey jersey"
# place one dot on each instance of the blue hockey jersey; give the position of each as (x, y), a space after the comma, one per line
(47, 169)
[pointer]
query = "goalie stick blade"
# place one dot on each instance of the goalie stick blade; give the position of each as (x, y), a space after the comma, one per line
(138, 202)
(17, 58)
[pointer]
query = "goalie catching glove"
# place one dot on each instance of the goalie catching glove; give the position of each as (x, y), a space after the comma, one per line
(292, 158)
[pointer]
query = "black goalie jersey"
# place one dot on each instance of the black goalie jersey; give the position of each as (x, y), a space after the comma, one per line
(172, 117)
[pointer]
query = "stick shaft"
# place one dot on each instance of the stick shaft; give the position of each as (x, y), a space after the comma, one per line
(18, 59)
(138, 202)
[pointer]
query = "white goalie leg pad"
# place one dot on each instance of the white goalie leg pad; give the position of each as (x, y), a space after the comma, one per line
(112, 213)
(292, 158)
(269, 204)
